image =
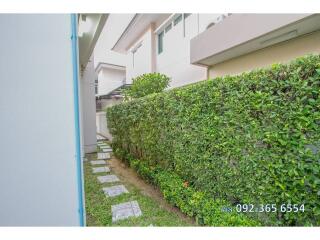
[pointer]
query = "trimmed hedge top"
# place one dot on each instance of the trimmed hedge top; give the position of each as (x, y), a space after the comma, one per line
(252, 138)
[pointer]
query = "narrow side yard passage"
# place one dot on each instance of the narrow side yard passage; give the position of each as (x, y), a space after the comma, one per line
(110, 186)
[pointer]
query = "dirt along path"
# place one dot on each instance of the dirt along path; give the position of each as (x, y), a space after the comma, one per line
(130, 176)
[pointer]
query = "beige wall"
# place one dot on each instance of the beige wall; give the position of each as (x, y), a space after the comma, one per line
(282, 52)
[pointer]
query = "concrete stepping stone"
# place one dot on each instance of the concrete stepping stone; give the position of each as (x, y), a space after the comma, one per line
(100, 169)
(115, 190)
(103, 156)
(98, 162)
(100, 137)
(108, 179)
(103, 145)
(106, 150)
(125, 210)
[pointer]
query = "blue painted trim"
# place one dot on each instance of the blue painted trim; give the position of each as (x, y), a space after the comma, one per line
(74, 39)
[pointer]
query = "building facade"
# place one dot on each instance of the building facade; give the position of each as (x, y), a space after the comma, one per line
(161, 43)
(110, 68)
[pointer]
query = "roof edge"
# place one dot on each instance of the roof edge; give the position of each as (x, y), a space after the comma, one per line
(124, 33)
(110, 66)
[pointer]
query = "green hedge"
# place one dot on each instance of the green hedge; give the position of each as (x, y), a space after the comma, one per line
(205, 209)
(251, 138)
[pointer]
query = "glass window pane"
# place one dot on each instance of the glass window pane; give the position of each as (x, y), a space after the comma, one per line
(160, 42)
(177, 19)
(168, 28)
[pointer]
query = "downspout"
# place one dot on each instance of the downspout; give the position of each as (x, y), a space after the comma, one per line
(75, 65)
(153, 48)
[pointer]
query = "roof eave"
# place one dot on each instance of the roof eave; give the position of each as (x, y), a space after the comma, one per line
(117, 46)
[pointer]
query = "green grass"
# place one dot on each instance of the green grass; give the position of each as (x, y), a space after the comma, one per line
(98, 206)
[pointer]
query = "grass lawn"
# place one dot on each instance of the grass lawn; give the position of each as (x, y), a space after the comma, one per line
(98, 206)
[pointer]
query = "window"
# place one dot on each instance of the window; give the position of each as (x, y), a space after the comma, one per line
(96, 86)
(186, 15)
(210, 25)
(160, 42)
(177, 19)
(168, 28)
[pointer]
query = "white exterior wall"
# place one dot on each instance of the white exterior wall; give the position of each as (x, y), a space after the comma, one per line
(174, 61)
(88, 105)
(110, 79)
(101, 120)
(101, 123)
(115, 25)
(141, 61)
(38, 173)
(206, 19)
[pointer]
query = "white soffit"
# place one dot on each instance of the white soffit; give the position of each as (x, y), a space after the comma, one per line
(88, 40)
(103, 65)
(138, 25)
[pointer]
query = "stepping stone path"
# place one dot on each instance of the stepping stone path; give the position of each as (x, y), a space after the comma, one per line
(103, 156)
(100, 169)
(122, 210)
(98, 162)
(108, 179)
(115, 190)
(125, 210)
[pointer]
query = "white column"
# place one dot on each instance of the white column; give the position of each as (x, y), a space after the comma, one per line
(88, 108)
